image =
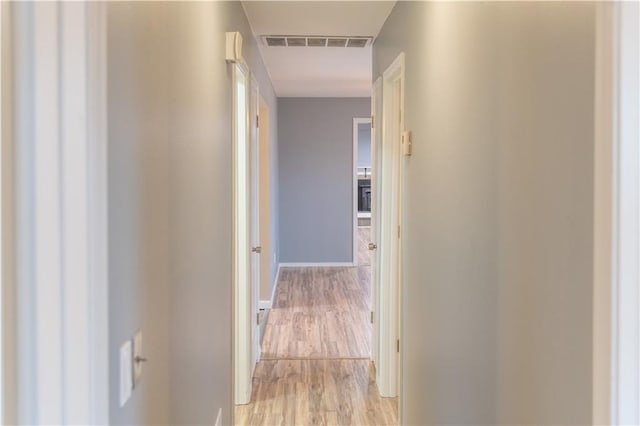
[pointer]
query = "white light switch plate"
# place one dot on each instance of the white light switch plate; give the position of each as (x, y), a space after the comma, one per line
(407, 142)
(125, 372)
(137, 352)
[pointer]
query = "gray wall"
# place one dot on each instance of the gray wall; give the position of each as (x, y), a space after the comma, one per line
(546, 175)
(498, 209)
(364, 145)
(316, 177)
(201, 220)
(170, 203)
(138, 170)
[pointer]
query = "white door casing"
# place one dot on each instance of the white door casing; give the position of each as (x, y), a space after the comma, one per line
(59, 180)
(374, 232)
(254, 172)
(246, 256)
(242, 239)
(389, 266)
(622, 87)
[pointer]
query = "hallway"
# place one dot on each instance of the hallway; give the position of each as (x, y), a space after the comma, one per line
(315, 366)
(181, 186)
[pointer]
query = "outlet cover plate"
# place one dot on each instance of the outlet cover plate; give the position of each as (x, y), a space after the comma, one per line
(126, 362)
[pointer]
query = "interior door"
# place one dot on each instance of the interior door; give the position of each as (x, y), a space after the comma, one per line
(243, 343)
(376, 122)
(254, 223)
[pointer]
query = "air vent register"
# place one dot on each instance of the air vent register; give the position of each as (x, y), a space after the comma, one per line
(316, 41)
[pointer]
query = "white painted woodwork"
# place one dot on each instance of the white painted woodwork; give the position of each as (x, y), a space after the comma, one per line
(390, 222)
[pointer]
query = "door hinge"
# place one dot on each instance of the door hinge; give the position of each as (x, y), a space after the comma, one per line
(398, 231)
(258, 318)
(257, 121)
(398, 345)
(371, 317)
(372, 121)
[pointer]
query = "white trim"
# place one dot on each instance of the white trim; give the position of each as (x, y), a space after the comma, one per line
(241, 247)
(603, 214)
(625, 405)
(8, 328)
(254, 221)
(62, 367)
(354, 204)
(376, 113)
(388, 298)
(316, 264)
(264, 304)
(98, 211)
(267, 304)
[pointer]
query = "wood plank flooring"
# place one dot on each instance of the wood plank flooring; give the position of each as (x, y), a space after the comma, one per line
(315, 367)
(316, 392)
(319, 313)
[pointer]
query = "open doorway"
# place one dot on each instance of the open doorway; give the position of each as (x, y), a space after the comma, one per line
(317, 345)
(317, 361)
(362, 150)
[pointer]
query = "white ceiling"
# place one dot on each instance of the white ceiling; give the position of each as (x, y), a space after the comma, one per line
(318, 71)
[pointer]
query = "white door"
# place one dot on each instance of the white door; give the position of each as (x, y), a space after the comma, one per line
(243, 356)
(254, 173)
(376, 125)
(246, 231)
(389, 218)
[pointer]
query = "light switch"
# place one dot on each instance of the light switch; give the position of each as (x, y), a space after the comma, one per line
(126, 384)
(138, 358)
(407, 143)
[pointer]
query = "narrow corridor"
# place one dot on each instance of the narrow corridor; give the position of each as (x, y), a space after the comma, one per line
(316, 366)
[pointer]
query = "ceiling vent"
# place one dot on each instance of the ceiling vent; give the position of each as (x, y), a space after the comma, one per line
(316, 41)
(276, 41)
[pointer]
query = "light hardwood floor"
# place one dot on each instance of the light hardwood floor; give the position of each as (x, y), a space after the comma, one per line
(316, 392)
(319, 313)
(315, 366)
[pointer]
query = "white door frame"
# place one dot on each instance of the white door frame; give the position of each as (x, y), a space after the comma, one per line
(376, 139)
(57, 180)
(8, 366)
(616, 323)
(254, 196)
(241, 240)
(389, 266)
(356, 238)
(246, 255)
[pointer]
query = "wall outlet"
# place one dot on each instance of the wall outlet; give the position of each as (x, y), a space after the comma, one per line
(137, 358)
(219, 418)
(126, 375)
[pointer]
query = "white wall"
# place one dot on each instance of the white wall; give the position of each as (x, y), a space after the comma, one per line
(498, 223)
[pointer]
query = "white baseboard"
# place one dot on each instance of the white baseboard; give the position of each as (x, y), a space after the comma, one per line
(264, 304)
(316, 264)
(267, 304)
